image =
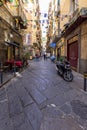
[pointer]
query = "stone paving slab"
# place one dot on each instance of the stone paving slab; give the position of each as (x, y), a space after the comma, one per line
(24, 96)
(65, 123)
(14, 103)
(20, 122)
(2, 94)
(80, 108)
(14, 106)
(66, 109)
(52, 111)
(58, 100)
(39, 99)
(72, 94)
(37, 95)
(4, 109)
(34, 116)
(51, 92)
(6, 124)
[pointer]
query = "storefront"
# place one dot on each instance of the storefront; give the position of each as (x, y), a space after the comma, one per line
(11, 44)
(75, 44)
(13, 50)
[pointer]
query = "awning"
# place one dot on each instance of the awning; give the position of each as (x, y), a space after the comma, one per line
(53, 44)
(12, 43)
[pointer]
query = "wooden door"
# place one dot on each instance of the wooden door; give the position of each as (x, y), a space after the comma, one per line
(73, 54)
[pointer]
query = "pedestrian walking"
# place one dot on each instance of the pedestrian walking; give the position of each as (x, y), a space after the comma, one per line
(44, 56)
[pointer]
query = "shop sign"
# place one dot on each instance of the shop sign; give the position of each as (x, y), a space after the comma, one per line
(60, 44)
(75, 38)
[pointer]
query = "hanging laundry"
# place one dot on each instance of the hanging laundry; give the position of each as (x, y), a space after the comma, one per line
(45, 15)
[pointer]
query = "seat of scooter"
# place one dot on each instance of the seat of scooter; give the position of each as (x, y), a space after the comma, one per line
(59, 63)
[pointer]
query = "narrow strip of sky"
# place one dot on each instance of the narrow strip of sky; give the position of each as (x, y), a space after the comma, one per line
(44, 4)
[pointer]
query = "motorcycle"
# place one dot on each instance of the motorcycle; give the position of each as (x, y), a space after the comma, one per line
(64, 69)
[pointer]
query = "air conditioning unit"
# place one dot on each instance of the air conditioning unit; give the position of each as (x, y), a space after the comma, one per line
(83, 11)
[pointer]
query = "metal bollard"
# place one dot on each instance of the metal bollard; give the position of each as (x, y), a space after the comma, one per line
(1, 75)
(14, 69)
(85, 80)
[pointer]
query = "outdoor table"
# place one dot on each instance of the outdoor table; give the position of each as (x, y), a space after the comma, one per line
(18, 63)
(9, 62)
(14, 63)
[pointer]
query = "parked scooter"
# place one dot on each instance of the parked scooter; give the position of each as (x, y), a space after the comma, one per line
(64, 69)
(53, 58)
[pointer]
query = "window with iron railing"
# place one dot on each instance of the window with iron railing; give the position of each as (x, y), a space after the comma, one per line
(73, 5)
(83, 11)
(74, 15)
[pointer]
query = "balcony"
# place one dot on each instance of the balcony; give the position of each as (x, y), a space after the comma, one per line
(74, 16)
(75, 24)
(35, 44)
(20, 18)
(20, 23)
(3, 2)
(23, 25)
(77, 13)
(57, 13)
(83, 11)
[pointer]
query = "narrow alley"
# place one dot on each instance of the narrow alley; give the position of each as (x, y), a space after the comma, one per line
(39, 99)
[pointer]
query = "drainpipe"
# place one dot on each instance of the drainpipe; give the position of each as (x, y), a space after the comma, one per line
(58, 9)
(79, 50)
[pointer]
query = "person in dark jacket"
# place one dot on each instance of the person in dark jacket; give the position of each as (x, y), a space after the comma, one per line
(44, 56)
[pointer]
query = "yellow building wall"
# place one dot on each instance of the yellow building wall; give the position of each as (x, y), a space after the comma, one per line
(34, 30)
(12, 8)
(64, 10)
(84, 41)
(6, 15)
(62, 51)
(61, 44)
(9, 51)
(82, 3)
(29, 26)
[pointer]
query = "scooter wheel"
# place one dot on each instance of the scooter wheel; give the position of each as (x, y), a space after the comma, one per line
(68, 77)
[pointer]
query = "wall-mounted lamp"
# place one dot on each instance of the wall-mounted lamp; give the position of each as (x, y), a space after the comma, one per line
(11, 35)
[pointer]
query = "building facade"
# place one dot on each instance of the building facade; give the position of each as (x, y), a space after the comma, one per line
(71, 32)
(32, 35)
(10, 39)
(75, 36)
(63, 18)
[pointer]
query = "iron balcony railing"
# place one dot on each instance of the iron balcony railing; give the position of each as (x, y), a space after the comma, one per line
(77, 13)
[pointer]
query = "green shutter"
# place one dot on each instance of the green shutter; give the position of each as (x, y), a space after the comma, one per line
(10, 0)
(1, 3)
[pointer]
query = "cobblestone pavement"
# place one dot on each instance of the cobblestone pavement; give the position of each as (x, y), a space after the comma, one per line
(39, 99)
